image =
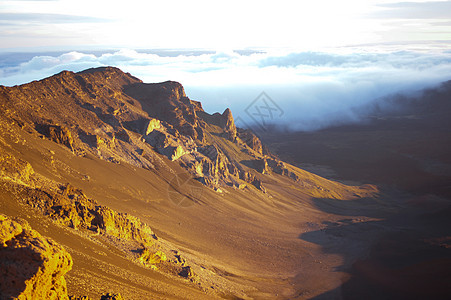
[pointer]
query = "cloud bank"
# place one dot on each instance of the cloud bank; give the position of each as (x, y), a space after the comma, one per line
(312, 90)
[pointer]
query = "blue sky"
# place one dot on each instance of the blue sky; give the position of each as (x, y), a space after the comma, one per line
(323, 62)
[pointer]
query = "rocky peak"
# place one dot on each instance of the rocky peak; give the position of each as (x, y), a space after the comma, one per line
(171, 90)
(229, 124)
(109, 74)
(167, 102)
(93, 79)
(224, 121)
(116, 117)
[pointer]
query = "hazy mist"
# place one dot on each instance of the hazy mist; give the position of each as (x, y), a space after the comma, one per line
(307, 90)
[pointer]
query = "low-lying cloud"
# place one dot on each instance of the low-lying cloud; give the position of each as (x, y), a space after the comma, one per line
(312, 89)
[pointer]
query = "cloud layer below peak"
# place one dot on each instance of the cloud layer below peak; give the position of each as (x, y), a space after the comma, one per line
(312, 89)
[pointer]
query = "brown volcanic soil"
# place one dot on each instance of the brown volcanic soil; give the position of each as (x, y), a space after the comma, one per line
(296, 238)
(246, 241)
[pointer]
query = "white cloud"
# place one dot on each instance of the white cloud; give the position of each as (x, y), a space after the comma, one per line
(314, 89)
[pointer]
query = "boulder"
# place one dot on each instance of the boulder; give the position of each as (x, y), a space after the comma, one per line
(57, 134)
(31, 266)
(153, 124)
(15, 168)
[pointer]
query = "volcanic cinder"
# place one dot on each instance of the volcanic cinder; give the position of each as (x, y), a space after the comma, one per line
(151, 197)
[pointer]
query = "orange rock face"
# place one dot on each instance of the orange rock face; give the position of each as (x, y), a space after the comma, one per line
(31, 266)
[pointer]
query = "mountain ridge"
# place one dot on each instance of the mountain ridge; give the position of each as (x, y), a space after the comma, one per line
(115, 116)
(141, 172)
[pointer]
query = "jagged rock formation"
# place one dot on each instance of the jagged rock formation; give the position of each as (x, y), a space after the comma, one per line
(224, 121)
(15, 169)
(114, 116)
(57, 131)
(70, 207)
(58, 134)
(229, 124)
(31, 266)
(150, 259)
(279, 167)
(167, 102)
(253, 142)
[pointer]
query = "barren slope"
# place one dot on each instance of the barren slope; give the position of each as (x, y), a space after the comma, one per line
(155, 198)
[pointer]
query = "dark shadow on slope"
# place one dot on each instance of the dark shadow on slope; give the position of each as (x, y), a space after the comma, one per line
(406, 255)
(106, 117)
(375, 207)
(138, 125)
(255, 164)
(18, 264)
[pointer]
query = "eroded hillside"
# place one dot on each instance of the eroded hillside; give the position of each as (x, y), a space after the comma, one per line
(151, 195)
